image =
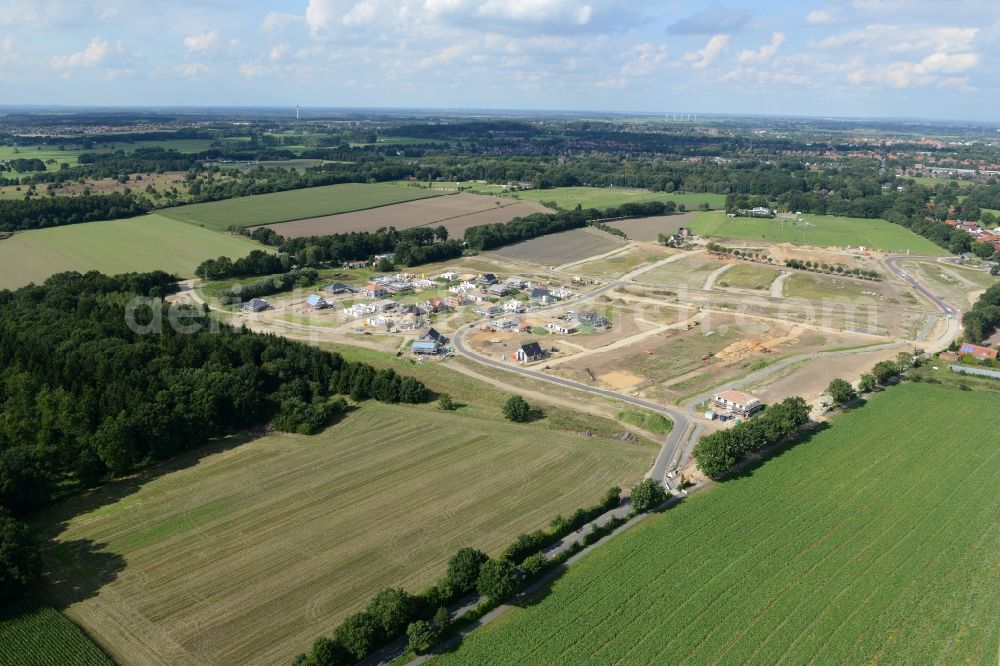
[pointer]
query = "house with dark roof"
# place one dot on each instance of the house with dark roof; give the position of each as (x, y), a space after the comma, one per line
(256, 305)
(487, 279)
(338, 288)
(530, 352)
(543, 296)
(432, 335)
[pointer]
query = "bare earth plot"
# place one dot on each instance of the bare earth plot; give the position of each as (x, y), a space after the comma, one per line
(456, 212)
(246, 555)
(561, 248)
(650, 228)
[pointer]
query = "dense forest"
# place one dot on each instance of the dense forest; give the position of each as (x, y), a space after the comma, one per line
(99, 376)
(18, 215)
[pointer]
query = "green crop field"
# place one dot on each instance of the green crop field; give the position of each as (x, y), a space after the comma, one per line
(117, 246)
(294, 205)
(42, 637)
(876, 541)
(604, 197)
(245, 554)
(817, 230)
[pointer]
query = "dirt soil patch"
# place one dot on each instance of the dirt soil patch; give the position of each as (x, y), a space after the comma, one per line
(620, 379)
(650, 228)
(562, 248)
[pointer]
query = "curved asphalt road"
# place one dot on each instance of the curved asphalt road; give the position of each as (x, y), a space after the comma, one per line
(672, 448)
(945, 307)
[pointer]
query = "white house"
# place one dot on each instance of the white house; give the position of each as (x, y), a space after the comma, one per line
(464, 288)
(737, 402)
(513, 305)
(360, 310)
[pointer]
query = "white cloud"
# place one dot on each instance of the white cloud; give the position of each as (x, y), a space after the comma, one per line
(903, 74)
(444, 57)
(765, 53)
(819, 17)
(278, 21)
(646, 60)
(900, 38)
(280, 52)
(201, 42)
(92, 56)
(704, 57)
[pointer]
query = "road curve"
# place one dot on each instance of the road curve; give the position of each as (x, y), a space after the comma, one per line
(672, 445)
(943, 305)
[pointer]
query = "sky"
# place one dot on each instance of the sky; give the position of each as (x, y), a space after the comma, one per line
(870, 58)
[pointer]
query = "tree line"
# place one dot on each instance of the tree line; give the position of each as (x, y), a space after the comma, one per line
(983, 319)
(718, 452)
(86, 394)
(18, 215)
(423, 617)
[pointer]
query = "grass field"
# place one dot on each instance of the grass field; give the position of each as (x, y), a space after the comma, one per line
(71, 154)
(246, 554)
(294, 205)
(43, 637)
(604, 197)
(869, 543)
(117, 246)
(817, 230)
(832, 289)
(748, 276)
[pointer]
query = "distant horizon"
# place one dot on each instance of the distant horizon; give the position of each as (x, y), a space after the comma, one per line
(667, 116)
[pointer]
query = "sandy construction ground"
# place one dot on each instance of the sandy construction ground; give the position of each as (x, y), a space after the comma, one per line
(650, 228)
(561, 248)
(457, 213)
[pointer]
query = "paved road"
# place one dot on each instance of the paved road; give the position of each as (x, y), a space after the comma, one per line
(673, 446)
(674, 441)
(945, 307)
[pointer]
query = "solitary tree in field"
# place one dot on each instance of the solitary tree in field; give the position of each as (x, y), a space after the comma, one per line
(497, 579)
(841, 391)
(867, 383)
(516, 409)
(884, 371)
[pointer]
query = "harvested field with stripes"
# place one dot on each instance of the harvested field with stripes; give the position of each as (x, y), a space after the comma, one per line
(456, 212)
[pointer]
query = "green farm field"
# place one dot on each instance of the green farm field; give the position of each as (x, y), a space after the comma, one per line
(294, 205)
(41, 636)
(604, 197)
(818, 231)
(245, 554)
(868, 543)
(117, 246)
(71, 154)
